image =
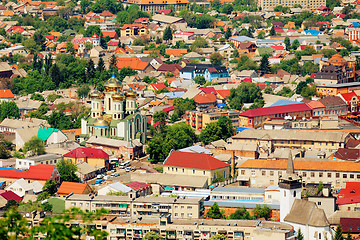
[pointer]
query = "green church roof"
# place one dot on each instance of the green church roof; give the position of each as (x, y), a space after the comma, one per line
(45, 132)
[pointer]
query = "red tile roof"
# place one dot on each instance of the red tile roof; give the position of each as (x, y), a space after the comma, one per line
(82, 152)
(6, 93)
(208, 90)
(142, 20)
(347, 154)
(158, 86)
(134, 25)
(168, 109)
(72, 187)
(278, 48)
(276, 110)
(131, 62)
(348, 200)
(350, 224)
(224, 93)
(352, 189)
(194, 160)
(8, 195)
(35, 172)
(110, 34)
(349, 96)
(139, 186)
(205, 98)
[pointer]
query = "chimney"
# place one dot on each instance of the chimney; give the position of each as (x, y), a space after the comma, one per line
(233, 164)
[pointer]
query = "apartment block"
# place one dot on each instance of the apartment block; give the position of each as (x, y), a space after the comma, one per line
(135, 207)
(305, 4)
(199, 119)
(263, 173)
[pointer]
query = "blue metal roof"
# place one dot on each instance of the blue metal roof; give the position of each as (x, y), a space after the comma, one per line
(221, 105)
(242, 38)
(240, 129)
(356, 24)
(283, 102)
(6, 168)
(312, 32)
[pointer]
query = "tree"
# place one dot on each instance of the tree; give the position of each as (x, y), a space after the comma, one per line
(55, 74)
(262, 211)
(287, 43)
(348, 237)
(159, 116)
(299, 235)
(244, 93)
(9, 204)
(152, 236)
(295, 45)
(272, 31)
(261, 35)
(268, 90)
(211, 133)
(338, 233)
(200, 80)
(67, 171)
(227, 130)
(35, 146)
(8, 110)
(58, 120)
(167, 34)
(88, 46)
(300, 87)
(70, 48)
(199, 43)
(227, 34)
(49, 189)
(216, 58)
(31, 45)
(218, 237)
(5, 147)
(112, 62)
(264, 65)
(13, 225)
(240, 213)
(182, 105)
(214, 212)
(101, 65)
(90, 30)
(83, 91)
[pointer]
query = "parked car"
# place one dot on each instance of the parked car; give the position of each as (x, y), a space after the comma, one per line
(100, 176)
(128, 169)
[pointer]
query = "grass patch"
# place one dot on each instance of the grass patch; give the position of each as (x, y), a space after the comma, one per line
(159, 169)
(58, 205)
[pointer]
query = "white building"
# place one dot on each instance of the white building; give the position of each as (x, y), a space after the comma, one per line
(22, 187)
(114, 187)
(49, 158)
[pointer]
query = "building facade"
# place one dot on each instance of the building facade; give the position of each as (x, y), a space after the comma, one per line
(305, 4)
(114, 114)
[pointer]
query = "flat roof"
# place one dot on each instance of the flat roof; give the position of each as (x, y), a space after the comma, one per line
(239, 190)
(47, 156)
(342, 85)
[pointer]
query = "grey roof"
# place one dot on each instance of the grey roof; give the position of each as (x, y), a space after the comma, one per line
(236, 204)
(44, 157)
(242, 38)
(4, 67)
(292, 135)
(85, 168)
(342, 85)
(23, 123)
(165, 18)
(306, 213)
(119, 187)
(112, 142)
(239, 190)
(196, 149)
(273, 188)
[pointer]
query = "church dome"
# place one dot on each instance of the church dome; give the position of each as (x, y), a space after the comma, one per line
(113, 83)
(100, 122)
(130, 93)
(96, 94)
(118, 96)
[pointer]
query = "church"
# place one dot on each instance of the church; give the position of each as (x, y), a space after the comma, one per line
(114, 114)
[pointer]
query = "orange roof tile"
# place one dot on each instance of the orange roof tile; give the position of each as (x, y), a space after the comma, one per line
(132, 62)
(175, 52)
(77, 131)
(302, 165)
(73, 187)
(8, 13)
(6, 93)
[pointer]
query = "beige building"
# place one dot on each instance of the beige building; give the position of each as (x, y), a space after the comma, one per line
(305, 4)
(196, 164)
(263, 173)
(121, 228)
(142, 206)
(271, 139)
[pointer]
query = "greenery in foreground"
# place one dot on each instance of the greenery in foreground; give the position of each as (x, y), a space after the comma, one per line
(241, 213)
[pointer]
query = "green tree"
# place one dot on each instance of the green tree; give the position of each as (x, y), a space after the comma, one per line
(70, 48)
(58, 120)
(268, 90)
(182, 105)
(90, 30)
(300, 87)
(285, 92)
(5, 147)
(244, 93)
(200, 80)
(261, 35)
(101, 65)
(34, 146)
(37, 97)
(55, 74)
(13, 225)
(295, 45)
(211, 133)
(152, 236)
(262, 211)
(31, 45)
(227, 34)
(338, 233)
(299, 235)
(112, 62)
(348, 237)
(67, 171)
(159, 116)
(49, 189)
(287, 43)
(167, 34)
(227, 130)
(214, 212)
(218, 237)
(272, 31)
(264, 65)
(240, 213)
(83, 91)
(199, 43)
(9, 204)
(9, 110)
(216, 58)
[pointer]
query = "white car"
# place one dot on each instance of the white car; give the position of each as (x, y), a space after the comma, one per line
(100, 176)
(128, 169)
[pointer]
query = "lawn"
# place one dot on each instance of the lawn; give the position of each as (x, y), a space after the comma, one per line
(58, 205)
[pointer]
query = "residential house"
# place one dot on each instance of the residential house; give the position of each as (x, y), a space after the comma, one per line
(175, 52)
(210, 72)
(86, 172)
(134, 30)
(170, 68)
(330, 75)
(51, 135)
(119, 148)
(6, 95)
(141, 189)
(227, 51)
(94, 40)
(134, 63)
(334, 105)
(196, 164)
(113, 188)
(184, 35)
(166, 20)
(203, 101)
(21, 187)
(96, 52)
(67, 188)
(348, 197)
(92, 156)
(5, 71)
(157, 5)
(352, 101)
(48, 158)
(336, 89)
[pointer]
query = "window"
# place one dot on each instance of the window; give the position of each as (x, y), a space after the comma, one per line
(319, 203)
(329, 175)
(183, 170)
(252, 172)
(271, 173)
(312, 174)
(351, 175)
(337, 175)
(320, 174)
(203, 172)
(242, 172)
(304, 174)
(193, 171)
(263, 173)
(189, 214)
(344, 175)
(294, 193)
(73, 204)
(189, 207)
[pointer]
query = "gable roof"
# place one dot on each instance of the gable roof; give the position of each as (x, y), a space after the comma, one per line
(138, 186)
(347, 154)
(45, 132)
(119, 187)
(6, 93)
(224, 93)
(348, 96)
(330, 101)
(194, 160)
(8, 195)
(72, 187)
(132, 62)
(36, 172)
(82, 152)
(157, 86)
(276, 110)
(175, 52)
(306, 213)
(352, 189)
(205, 98)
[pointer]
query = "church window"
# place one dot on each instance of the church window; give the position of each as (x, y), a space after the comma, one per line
(109, 104)
(284, 193)
(101, 133)
(294, 193)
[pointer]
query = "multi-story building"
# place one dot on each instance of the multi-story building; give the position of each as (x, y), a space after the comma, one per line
(263, 173)
(305, 4)
(94, 40)
(134, 30)
(152, 6)
(330, 74)
(103, 25)
(186, 208)
(196, 164)
(49, 158)
(254, 118)
(136, 228)
(298, 139)
(199, 119)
